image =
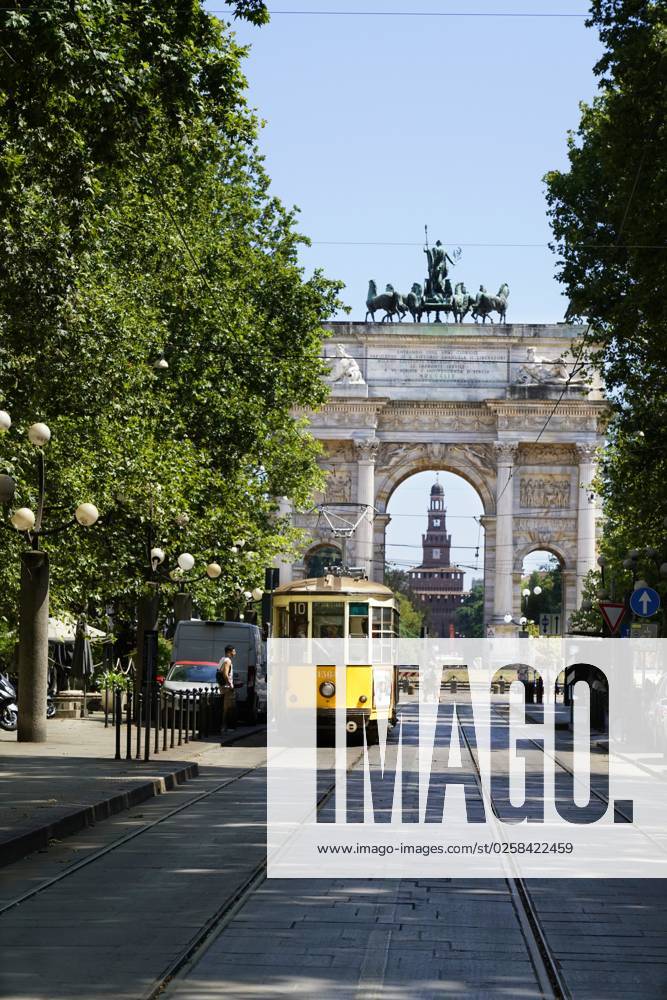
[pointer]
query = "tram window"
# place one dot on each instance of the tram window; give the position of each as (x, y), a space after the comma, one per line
(383, 622)
(358, 621)
(329, 620)
(283, 624)
(298, 620)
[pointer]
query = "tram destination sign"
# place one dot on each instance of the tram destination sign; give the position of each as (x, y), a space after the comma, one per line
(457, 778)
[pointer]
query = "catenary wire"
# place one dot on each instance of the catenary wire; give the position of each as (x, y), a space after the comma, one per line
(422, 13)
(496, 246)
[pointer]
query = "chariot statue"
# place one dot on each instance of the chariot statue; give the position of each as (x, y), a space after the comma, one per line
(436, 296)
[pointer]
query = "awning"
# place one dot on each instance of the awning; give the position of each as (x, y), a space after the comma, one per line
(65, 631)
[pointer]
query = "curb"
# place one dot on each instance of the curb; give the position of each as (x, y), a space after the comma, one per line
(36, 839)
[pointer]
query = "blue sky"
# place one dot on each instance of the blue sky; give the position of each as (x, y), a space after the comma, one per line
(376, 125)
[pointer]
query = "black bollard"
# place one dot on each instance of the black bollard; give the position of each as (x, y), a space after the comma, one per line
(140, 711)
(165, 719)
(106, 705)
(187, 716)
(158, 720)
(208, 713)
(202, 712)
(173, 717)
(180, 718)
(195, 705)
(118, 719)
(128, 723)
(149, 723)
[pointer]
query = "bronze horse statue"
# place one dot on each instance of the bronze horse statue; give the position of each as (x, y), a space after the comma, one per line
(462, 302)
(413, 301)
(486, 304)
(391, 302)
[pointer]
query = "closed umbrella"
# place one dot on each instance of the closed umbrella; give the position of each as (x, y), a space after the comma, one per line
(82, 658)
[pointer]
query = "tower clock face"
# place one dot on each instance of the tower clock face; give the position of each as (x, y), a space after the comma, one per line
(436, 522)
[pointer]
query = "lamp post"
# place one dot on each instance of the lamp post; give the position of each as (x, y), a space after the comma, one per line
(521, 622)
(526, 594)
(148, 608)
(34, 592)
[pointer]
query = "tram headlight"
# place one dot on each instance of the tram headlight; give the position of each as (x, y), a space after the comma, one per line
(327, 689)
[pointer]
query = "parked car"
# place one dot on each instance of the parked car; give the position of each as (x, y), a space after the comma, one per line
(200, 645)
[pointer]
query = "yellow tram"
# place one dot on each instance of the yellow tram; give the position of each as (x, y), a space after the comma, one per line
(365, 615)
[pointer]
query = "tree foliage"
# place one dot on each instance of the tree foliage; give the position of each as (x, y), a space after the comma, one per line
(136, 219)
(469, 621)
(549, 578)
(412, 613)
(608, 213)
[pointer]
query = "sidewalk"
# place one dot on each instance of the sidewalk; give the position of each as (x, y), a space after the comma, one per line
(51, 790)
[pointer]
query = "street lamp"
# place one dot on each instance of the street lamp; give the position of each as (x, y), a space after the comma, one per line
(526, 594)
(34, 592)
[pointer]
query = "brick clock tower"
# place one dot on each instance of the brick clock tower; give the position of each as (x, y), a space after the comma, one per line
(437, 584)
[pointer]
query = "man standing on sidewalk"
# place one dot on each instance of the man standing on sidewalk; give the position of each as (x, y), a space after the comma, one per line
(225, 679)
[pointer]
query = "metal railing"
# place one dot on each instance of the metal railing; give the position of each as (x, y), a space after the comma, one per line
(159, 720)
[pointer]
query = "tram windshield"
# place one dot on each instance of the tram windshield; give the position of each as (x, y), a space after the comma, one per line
(327, 620)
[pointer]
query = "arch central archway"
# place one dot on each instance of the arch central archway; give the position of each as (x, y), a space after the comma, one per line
(434, 551)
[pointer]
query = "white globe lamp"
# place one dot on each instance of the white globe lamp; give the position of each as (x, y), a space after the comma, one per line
(23, 519)
(86, 514)
(39, 435)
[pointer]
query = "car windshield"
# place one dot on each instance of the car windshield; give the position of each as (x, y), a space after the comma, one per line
(195, 673)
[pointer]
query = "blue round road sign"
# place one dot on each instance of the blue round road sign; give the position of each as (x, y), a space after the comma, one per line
(645, 602)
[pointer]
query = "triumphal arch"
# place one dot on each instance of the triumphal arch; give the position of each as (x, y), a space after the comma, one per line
(503, 406)
(513, 409)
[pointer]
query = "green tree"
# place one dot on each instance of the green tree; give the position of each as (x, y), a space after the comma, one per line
(469, 621)
(608, 213)
(136, 219)
(412, 613)
(549, 578)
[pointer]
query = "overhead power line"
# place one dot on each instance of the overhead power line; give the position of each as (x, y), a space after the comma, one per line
(425, 13)
(503, 246)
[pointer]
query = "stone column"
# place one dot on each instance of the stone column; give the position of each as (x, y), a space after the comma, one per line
(489, 525)
(586, 516)
(281, 563)
(503, 597)
(569, 604)
(33, 646)
(366, 452)
(380, 546)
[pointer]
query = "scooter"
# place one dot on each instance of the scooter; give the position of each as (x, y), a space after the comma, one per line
(9, 710)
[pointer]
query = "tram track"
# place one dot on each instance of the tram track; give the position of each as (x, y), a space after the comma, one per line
(220, 920)
(117, 844)
(372, 977)
(545, 966)
(542, 958)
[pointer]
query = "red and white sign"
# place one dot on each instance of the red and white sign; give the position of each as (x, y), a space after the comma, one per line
(613, 613)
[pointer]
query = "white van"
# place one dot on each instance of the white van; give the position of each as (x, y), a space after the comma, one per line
(198, 648)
